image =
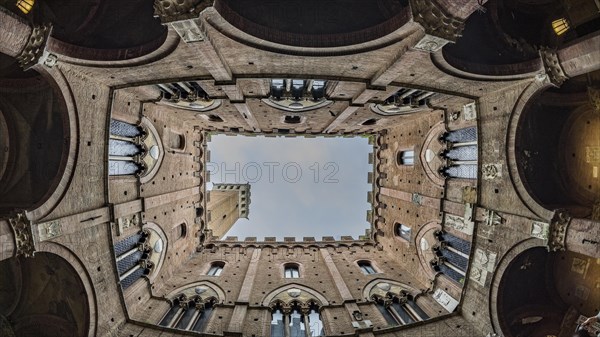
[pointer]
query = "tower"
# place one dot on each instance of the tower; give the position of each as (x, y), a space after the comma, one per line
(226, 204)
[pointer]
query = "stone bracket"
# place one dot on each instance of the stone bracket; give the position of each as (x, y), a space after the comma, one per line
(554, 70)
(34, 49)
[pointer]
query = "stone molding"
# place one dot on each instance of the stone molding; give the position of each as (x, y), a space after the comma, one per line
(558, 230)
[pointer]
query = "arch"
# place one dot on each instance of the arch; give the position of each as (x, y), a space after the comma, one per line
(190, 287)
(74, 261)
(313, 293)
(156, 140)
(368, 288)
(61, 91)
(378, 20)
(159, 262)
(426, 230)
(504, 263)
(532, 90)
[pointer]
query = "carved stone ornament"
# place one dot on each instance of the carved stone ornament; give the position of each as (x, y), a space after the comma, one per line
(416, 198)
(34, 48)
(49, 230)
(470, 111)
(555, 73)
(430, 43)
(357, 315)
(558, 230)
(492, 218)
(176, 10)
(469, 195)
(436, 22)
(540, 230)
(491, 171)
(189, 30)
(21, 227)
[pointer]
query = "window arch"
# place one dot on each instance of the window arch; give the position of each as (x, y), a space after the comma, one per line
(366, 267)
(216, 268)
(451, 256)
(291, 270)
(181, 231)
(296, 319)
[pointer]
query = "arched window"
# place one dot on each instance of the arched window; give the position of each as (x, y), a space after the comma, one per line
(451, 256)
(403, 231)
(371, 121)
(292, 119)
(292, 321)
(215, 118)
(291, 270)
(216, 268)
(189, 314)
(124, 149)
(399, 308)
(366, 267)
(460, 153)
(133, 258)
(406, 158)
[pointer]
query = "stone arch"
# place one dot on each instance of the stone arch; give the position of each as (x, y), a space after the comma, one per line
(369, 287)
(158, 262)
(51, 82)
(532, 90)
(504, 263)
(426, 255)
(73, 260)
(214, 290)
(311, 292)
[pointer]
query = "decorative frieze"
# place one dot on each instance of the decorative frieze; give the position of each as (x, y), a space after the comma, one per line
(21, 227)
(458, 223)
(470, 111)
(34, 48)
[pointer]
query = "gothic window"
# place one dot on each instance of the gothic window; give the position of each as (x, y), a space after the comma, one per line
(188, 314)
(366, 267)
(296, 321)
(215, 118)
(124, 149)
(403, 231)
(451, 256)
(371, 121)
(461, 153)
(133, 258)
(297, 95)
(406, 158)
(215, 269)
(291, 270)
(399, 308)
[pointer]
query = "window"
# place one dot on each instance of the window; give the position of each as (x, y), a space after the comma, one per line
(181, 231)
(399, 309)
(133, 263)
(188, 314)
(291, 271)
(296, 324)
(215, 118)
(366, 267)
(403, 231)
(215, 269)
(371, 121)
(292, 119)
(406, 157)
(124, 148)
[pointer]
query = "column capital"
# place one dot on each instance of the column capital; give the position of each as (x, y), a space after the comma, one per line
(552, 66)
(440, 27)
(558, 230)
(34, 49)
(21, 226)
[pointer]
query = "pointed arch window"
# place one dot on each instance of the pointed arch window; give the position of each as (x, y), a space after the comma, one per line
(291, 270)
(133, 258)
(190, 314)
(366, 267)
(406, 158)
(216, 268)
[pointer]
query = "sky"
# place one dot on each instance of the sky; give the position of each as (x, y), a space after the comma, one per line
(299, 186)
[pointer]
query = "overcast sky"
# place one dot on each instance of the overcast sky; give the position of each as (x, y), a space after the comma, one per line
(289, 195)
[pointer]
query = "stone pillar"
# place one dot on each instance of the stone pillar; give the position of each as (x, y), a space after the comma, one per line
(583, 237)
(241, 305)
(7, 241)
